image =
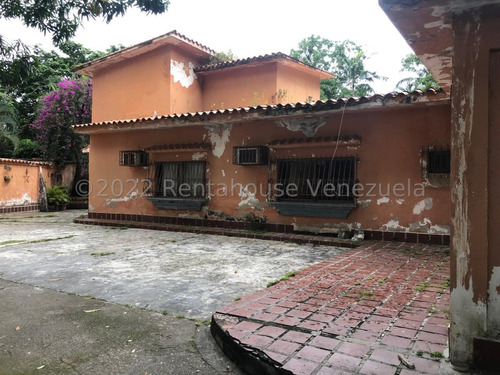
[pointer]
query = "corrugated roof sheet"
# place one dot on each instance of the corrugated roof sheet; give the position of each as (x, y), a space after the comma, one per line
(278, 110)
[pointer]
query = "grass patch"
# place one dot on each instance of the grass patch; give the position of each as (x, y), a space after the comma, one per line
(367, 293)
(165, 312)
(421, 287)
(51, 239)
(179, 316)
(436, 355)
(103, 254)
(9, 242)
(271, 283)
(285, 277)
(237, 299)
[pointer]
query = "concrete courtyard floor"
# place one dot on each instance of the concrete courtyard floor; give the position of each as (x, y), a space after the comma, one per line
(88, 299)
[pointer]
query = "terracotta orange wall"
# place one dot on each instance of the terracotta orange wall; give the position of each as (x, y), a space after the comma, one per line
(389, 153)
(239, 87)
(120, 92)
(298, 84)
(23, 185)
(184, 99)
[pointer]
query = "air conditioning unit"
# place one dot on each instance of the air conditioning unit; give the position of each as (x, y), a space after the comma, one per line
(250, 155)
(136, 158)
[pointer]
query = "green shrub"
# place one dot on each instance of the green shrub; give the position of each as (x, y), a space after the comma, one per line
(57, 195)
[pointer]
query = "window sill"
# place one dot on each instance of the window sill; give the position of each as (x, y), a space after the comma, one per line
(194, 204)
(314, 209)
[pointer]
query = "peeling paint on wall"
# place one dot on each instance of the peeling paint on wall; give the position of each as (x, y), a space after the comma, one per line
(383, 200)
(394, 225)
(364, 203)
(199, 155)
(113, 201)
(468, 319)
(25, 199)
(493, 327)
(439, 229)
(400, 201)
(248, 199)
(425, 204)
(308, 126)
(178, 71)
(219, 136)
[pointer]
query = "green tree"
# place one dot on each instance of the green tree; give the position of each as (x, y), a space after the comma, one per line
(69, 104)
(223, 56)
(421, 79)
(28, 77)
(8, 127)
(346, 60)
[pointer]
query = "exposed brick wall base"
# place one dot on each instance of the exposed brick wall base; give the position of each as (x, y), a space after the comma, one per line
(266, 230)
(12, 209)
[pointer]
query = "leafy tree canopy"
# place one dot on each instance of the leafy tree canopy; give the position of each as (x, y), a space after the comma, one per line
(27, 78)
(222, 56)
(70, 103)
(344, 59)
(61, 19)
(421, 79)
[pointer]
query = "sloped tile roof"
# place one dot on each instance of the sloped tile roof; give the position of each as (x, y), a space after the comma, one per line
(25, 162)
(256, 59)
(88, 68)
(272, 111)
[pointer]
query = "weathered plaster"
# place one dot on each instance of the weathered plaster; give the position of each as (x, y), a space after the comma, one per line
(467, 321)
(424, 204)
(394, 225)
(25, 199)
(439, 229)
(383, 200)
(199, 155)
(219, 136)
(178, 71)
(308, 126)
(400, 201)
(113, 201)
(493, 327)
(364, 203)
(248, 199)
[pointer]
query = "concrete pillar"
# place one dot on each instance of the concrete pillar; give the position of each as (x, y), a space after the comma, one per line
(475, 181)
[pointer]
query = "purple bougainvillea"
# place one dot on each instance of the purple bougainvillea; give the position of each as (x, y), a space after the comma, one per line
(68, 105)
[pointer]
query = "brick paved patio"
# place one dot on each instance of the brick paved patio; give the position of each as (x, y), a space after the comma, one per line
(354, 313)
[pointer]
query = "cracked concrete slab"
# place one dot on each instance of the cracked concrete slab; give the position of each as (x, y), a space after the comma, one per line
(184, 273)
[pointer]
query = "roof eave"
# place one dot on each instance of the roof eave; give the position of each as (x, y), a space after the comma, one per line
(173, 38)
(274, 112)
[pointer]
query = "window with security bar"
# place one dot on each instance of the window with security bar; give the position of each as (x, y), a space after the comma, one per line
(438, 161)
(185, 179)
(323, 179)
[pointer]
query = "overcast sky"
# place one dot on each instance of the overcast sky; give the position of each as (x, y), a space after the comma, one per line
(250, 28)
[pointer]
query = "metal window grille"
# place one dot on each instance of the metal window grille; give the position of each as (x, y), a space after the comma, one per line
(438, 161)
(180, 179)
(136, 158)
(316, 179)
(250, 155)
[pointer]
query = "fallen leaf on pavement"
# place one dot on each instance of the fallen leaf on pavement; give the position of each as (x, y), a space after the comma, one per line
(91, 311)
(18, 328)
(53, 279)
